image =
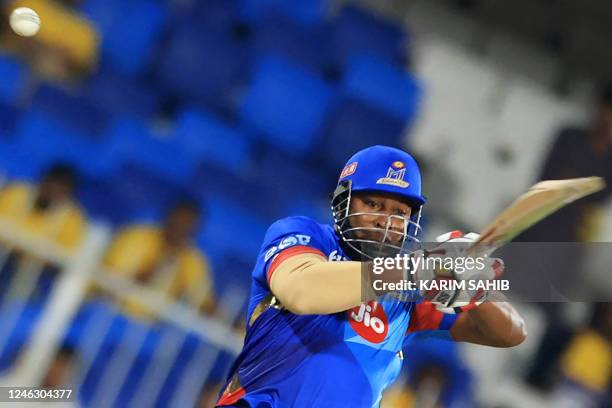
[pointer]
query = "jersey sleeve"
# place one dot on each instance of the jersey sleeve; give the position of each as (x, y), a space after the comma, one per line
(427, 321)
(286, 238)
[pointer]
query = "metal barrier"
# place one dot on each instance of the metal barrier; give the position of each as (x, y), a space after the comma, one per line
(118, 359)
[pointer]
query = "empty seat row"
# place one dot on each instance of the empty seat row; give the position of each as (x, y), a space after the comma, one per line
(286, 106)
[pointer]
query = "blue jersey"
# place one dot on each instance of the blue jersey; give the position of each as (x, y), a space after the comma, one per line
(338, 360)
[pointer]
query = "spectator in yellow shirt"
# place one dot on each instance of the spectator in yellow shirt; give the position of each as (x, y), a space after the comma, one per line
(165, 259)
(587, 362)
(47, 210)
(66, 46)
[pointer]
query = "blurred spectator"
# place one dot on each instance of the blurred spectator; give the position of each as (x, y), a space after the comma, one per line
(49, 209)
(65, 47)
(576, 152)
(587, 363)
(579, 152)
(165, 258)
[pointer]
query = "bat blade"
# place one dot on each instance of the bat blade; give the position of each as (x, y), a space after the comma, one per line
(541, 200)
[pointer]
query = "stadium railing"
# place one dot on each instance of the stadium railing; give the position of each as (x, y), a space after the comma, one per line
(78, 275)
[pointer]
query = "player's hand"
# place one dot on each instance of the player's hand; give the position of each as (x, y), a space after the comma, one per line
(467, 269)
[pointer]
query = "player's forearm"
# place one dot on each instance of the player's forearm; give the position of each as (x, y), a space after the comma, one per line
(313, 286)
(495, 324)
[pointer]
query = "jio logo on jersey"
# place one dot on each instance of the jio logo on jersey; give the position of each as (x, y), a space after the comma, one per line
(369, 321)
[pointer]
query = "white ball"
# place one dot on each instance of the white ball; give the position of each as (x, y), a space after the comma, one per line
(25, 22)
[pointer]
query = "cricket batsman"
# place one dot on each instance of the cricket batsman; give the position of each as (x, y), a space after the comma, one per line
(310, 340)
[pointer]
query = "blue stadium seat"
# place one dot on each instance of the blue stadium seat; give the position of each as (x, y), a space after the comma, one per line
(14, 76)
(72, 109)
(203, 67)
(9, 116)
(48, 140)
(353, 126)
(144, 195)
(132, 141)
(127, 43)
(231, 229)
(218, 15)
(356, 30)
(126, 199)
(203, 137)
(377, 82)
(102, 202)
(211, 181)
(231, 270)
(120, 95)
(16, 162)
(102, 13)
(305, 45)
(317, 209)
(304, 12)
(273, 186)
(286, 104)
(286, 180)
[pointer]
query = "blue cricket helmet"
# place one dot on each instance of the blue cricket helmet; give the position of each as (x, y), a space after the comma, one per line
(384, 169)
(381, 169)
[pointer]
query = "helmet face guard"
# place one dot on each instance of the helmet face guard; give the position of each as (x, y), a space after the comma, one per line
(372, 242)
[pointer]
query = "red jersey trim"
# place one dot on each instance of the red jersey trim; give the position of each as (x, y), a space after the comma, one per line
(288, 253)
(231, 397)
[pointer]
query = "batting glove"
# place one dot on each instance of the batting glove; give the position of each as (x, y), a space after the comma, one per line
(458, 288)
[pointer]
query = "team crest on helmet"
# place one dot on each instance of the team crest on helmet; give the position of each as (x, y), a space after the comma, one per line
(348, 170)
(395, 175)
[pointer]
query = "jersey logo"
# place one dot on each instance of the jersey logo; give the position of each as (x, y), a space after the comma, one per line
(297, 239)
(334, 256)
(369, 321)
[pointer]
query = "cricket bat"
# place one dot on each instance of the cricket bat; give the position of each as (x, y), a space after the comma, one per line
(541, 200)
